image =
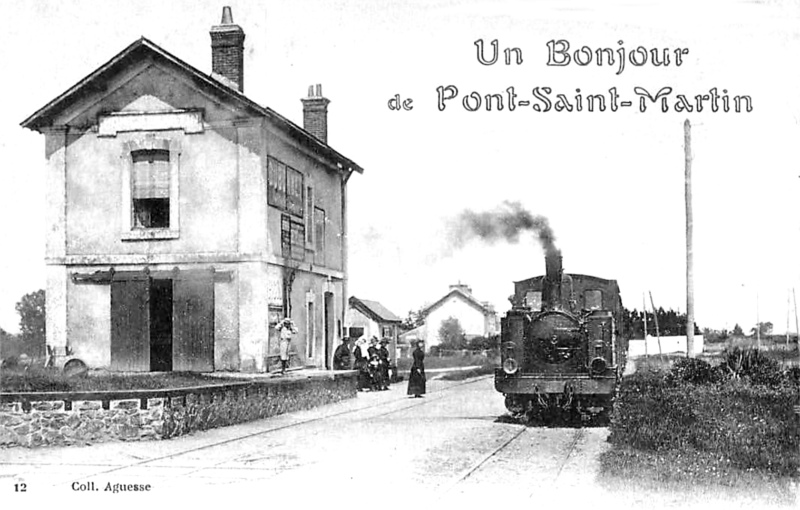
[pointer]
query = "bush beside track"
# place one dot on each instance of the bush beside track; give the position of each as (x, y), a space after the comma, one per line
(731, 425)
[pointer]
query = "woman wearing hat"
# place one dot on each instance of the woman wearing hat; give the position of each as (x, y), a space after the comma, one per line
(416, 380)
(287, 330)
(362, 364)
(374, 365)
(383, 355)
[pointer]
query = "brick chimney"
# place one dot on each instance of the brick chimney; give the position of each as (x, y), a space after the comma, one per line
(227, 51)
(315, 113)
(463, 287)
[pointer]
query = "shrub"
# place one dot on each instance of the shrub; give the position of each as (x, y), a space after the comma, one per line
(751, 364)
(695, 371)
(791, 377)
(647, 416)
(482, 343)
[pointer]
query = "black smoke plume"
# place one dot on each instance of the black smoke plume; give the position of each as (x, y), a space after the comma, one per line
(505, 223)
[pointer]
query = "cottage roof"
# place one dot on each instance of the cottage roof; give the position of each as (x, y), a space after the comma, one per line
(142, 49)
(458, 292)
(373, 310)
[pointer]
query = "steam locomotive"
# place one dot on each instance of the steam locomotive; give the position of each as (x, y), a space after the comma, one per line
(562, 351)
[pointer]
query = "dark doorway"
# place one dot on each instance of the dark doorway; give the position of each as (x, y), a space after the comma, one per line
(327, 318)
(161, 326)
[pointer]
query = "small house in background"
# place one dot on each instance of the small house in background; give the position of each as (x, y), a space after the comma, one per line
(184, 220)
(369, 318)
(477, 318)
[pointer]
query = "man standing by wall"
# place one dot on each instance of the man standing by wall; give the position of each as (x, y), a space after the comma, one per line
(341, 357)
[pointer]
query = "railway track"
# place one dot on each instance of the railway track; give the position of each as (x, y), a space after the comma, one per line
(496, 454)
(461, 477)
(503, 452)
(432, 396)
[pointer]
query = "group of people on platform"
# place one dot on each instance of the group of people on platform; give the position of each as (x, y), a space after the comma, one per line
(371, 359)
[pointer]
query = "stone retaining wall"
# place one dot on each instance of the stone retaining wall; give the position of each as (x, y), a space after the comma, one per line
(56, 419)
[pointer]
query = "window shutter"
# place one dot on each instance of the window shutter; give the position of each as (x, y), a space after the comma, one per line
(286, 236)
(294, 192)
(298, 237)
(309, 217)
(130, 325)
(319, 236)
(276, 178)
(193, 322)
(150, 174)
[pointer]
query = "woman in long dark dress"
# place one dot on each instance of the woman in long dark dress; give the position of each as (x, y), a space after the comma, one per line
(416, 380)
(362, 364)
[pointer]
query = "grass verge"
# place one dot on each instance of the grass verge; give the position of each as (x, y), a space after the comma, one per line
(468, 374)
(734, 436)
(38, 379)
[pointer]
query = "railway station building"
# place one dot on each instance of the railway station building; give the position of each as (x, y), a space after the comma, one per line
(184, 220)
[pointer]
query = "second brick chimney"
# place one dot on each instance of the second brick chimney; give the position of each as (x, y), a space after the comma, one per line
(227, 50)
(315, 113)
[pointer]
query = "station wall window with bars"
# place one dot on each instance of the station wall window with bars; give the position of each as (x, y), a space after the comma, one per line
(292, 238)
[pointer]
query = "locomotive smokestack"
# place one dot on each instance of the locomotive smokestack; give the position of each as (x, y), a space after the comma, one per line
(552, 280)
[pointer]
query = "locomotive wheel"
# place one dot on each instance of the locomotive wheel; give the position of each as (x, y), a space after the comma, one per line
(599, 408)
(515, 404)
(604, 417)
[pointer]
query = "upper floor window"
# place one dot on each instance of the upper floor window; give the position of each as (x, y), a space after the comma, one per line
(284, 187)
(150, 188)
(150, 182)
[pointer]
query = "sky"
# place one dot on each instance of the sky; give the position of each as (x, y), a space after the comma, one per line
(610, 183)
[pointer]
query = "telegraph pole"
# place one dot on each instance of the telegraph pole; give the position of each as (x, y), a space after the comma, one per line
(687, 147)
